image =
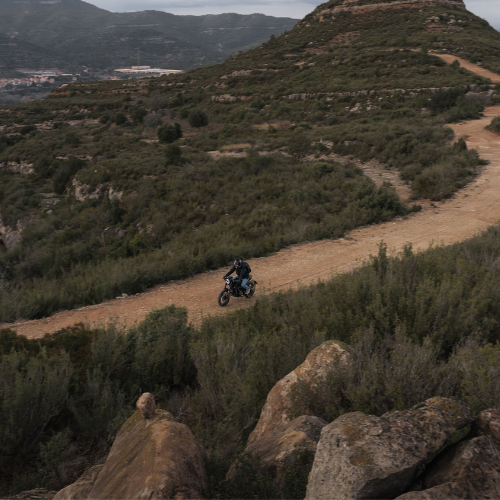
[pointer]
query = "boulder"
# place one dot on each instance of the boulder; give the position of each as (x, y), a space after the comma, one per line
(152, 458)
(81, 488)
(280, 447)
(364, 456)
(487, 423)
(146, 405)
(470, 469)
(10, 237)
(318, 363)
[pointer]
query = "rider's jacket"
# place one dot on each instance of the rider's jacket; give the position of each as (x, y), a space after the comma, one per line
(243, 272)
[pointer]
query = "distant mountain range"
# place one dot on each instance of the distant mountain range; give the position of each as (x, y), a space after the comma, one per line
(71, 33)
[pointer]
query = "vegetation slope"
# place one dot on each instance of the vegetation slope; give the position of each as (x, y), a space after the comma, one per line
(157, 210)
(108, 209)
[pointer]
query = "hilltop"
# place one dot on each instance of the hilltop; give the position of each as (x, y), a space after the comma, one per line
(92, 205)
(76, 33)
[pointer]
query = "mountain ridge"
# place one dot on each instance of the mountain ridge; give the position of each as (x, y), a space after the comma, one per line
(87, 32)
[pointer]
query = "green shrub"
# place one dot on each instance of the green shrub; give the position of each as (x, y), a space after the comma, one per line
(169, 133)
(173, 154)
(33, 392)
(198, 118)
(494, 126)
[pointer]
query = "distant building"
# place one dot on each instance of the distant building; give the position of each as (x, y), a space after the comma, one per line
(148, 70)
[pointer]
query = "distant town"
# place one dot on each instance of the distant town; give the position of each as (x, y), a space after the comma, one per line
(29, 85)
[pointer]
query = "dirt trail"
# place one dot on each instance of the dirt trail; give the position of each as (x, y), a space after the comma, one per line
(475, 68)
(472, 210)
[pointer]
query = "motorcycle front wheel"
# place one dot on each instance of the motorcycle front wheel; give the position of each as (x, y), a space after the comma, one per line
(224, 298)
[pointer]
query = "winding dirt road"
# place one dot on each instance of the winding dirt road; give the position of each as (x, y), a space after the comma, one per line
(472, 210)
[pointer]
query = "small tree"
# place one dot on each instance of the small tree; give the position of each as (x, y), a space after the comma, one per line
(299, 146)
(120, 119)
(198, 119)
(169, 133)
(173, 153)
(138, 115)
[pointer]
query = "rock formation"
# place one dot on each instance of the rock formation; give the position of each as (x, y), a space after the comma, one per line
(146, 405)
(318, 363)
(151, 458)
(364, 456)
(82, 487)
(470, 469)
(280, 447)
(10, 237)
(488, 423)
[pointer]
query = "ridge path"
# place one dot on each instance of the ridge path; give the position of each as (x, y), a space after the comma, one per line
(472, 210)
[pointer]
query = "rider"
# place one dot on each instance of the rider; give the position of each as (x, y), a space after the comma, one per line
(243, 272)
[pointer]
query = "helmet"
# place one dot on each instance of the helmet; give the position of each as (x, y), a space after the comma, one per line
(237, 263)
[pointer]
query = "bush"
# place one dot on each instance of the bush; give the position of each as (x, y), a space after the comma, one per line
(121, 119)
(494, 126)
(198, 118)
(152, 121)
(169, 133)
(33, 392)
(173, 154)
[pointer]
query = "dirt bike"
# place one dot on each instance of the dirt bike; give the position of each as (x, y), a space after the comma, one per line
(233, 288)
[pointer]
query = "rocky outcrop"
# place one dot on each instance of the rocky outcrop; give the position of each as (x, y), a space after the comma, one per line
(487, 423)
(350, 6)
(470, 469)
(80, 489)
(9, 237)
(146, 405)
(281, 447)
(152, 458)
(364, 456)
(318, 364)
(18, 168)
(84, 192)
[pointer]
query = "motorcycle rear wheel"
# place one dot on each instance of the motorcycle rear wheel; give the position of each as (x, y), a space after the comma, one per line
(224, 298)
(252, 290)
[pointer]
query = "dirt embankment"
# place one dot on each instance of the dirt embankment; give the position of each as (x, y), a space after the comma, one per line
(472, 210)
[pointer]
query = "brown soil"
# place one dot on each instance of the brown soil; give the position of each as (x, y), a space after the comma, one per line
(474, 68)
(471, 211)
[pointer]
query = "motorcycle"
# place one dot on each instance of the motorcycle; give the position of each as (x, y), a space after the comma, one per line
(233, 288)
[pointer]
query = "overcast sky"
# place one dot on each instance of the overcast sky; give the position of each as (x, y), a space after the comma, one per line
(488, 9)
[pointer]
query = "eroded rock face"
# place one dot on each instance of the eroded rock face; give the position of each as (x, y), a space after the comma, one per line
(363, 456)
(487, 423)
(81, 488)
(10, 237)
(146, 405)
(318, 363)
(470, 469)
(280, 447)
(152, 458)
(18, 168)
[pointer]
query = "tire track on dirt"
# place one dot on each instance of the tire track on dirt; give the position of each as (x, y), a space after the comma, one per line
(472, 210)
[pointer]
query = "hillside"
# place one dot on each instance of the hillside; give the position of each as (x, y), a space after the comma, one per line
(81, 33)
(93, 206)
(16, 53)
(108, 188)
